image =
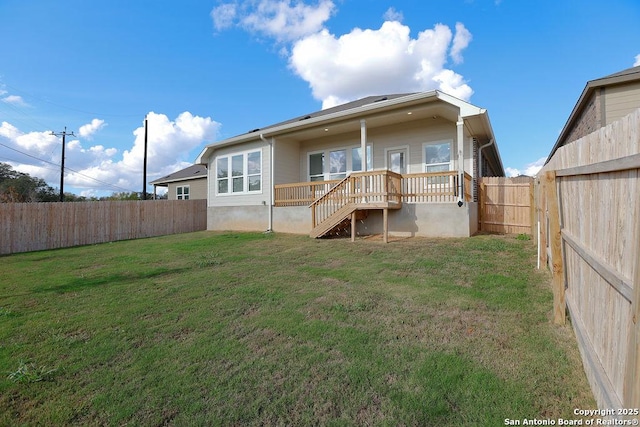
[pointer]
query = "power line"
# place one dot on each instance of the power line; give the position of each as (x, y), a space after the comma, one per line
(67, 168)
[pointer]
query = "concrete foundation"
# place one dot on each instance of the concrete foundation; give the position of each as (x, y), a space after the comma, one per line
(418, 219)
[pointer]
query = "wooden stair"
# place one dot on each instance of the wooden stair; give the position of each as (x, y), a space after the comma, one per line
(339, 224)
(358, 193)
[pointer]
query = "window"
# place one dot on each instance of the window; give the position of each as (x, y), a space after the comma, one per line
(356, 159)
(338, 164)
(182, 193)
(437, 158)
(239, 173)
(342, 161)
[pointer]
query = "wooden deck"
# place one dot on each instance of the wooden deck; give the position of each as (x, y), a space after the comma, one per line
(333, 203)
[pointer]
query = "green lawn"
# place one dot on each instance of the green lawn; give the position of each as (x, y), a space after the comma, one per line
(254, 329)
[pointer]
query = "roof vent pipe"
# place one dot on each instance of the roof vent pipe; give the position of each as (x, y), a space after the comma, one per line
(491, 142)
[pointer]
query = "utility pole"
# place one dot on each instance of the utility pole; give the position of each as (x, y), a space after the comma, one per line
(144, 168)
(64, 135)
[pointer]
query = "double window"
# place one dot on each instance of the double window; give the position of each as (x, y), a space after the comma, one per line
(340, 162)
(239, 173)
(182, 192)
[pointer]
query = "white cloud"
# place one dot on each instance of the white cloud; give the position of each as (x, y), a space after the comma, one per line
(223, 16)
(14, 100)
(363, 62)
(460, 42)
(393, 15)
(530, 169)
(637, 63)
(375, 61)
(283, 20)
(511, 172)
(33, 143)
(87, 131)
(170, 143)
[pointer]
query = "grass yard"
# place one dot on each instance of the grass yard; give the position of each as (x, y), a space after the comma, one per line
(253, 329)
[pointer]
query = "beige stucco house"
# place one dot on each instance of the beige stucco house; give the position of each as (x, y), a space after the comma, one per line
(186, 184)
(397, 164)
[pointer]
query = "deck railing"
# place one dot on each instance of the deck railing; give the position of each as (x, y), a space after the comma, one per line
(374, 188)
(301, 193)
(433, 187)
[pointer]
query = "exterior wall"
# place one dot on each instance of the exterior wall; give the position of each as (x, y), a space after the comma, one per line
(412, 136)
(254, 199)
(425, 220)
(589, 119)
(287, 167)
(294, 219)
(414, 219)
(197, 188)
(621, 100)
(238, 218)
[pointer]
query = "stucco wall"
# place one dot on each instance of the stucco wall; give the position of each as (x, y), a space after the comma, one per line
(427, 220)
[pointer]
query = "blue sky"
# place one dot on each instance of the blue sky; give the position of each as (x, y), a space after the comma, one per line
(205, 70)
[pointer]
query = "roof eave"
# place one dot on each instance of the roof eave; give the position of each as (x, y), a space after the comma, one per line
(316, 121)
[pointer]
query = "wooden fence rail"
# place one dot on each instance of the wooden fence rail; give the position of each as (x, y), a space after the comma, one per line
(28, 227)
(589, 213)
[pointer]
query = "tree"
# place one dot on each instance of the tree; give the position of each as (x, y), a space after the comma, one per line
(18, 187)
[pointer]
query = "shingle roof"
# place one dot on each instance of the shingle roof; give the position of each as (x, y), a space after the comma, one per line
(192, 172)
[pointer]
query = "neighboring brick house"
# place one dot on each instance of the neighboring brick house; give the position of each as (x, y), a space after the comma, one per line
(602, 102)
(185, 184)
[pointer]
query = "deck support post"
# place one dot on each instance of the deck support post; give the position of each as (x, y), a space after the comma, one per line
(385, 225)
(353, 226)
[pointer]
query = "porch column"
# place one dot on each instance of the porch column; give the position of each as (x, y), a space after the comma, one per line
(460, 147)
(363, 144)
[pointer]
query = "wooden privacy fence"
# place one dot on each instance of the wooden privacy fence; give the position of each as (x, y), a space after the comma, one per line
(589, 212)
(28, 227)
(506, 205)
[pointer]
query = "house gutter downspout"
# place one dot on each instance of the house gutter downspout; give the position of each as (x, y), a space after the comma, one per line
(491, 142)
(271, 201)
(460, 138)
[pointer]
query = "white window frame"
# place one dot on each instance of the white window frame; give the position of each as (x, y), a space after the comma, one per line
(426, 165)
(438, 182)
(245, 173)
(181, 195)
(326, 166)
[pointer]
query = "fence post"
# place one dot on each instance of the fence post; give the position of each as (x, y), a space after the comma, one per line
(532, 210)
(631, 388)
(555, 237)
(481, 200)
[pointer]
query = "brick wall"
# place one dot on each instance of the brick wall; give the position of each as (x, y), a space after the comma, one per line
(588, 121)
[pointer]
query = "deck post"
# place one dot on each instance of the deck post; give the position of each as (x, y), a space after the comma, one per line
(385, 225)
(353, 226)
